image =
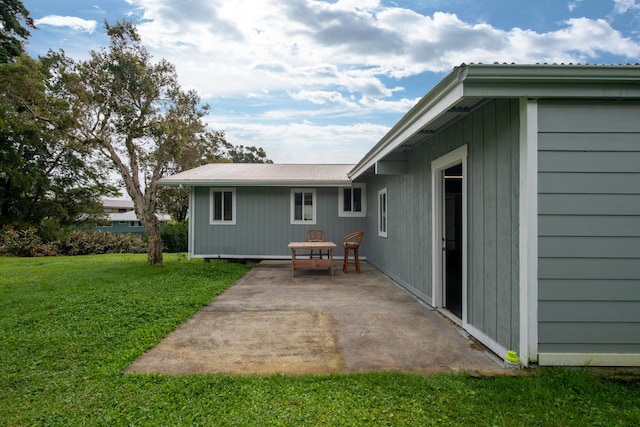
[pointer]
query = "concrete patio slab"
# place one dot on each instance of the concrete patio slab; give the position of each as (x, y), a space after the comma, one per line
(314, 323)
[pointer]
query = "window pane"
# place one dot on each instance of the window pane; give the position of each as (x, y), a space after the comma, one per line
(347, 200)
(297, 206)
(308, 206)
(357, 199)
(384, 212)
(228, 206)
(380, 213)
(217, 206)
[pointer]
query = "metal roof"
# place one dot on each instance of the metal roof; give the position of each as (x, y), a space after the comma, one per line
(263, 174)
(117, 203)
(468, 86)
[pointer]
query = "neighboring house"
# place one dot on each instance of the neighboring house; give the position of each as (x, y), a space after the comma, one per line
(117, 206)
(508, 198)
(122, 219)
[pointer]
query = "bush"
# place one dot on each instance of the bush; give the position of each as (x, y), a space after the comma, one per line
(101, 242)
(27, 243)
(24, 243)
(175, 236)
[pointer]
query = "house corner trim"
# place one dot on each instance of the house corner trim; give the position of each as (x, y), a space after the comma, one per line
(528, 231)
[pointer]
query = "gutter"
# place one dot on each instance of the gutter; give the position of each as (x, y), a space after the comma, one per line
(263, 183)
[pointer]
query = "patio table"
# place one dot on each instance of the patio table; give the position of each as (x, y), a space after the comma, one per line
(297, 260)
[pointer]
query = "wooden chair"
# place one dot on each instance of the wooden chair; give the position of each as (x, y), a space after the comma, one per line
(352, 241)
(316, 236)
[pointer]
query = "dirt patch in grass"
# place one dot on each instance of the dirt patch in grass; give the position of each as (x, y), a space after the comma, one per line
(240, 342)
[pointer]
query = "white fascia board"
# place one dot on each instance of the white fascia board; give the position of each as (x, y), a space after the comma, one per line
(437, 102)
(261, 183)
(550, 81)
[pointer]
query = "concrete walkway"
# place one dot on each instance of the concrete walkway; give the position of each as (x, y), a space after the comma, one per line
(314, 323)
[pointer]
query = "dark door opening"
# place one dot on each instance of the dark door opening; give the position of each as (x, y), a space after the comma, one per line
(452, 240)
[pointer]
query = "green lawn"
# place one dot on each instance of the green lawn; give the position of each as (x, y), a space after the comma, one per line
(69, 326)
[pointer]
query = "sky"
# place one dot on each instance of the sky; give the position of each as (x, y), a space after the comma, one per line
(314, 81)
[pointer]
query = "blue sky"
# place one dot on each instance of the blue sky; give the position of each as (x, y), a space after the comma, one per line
(315, 81)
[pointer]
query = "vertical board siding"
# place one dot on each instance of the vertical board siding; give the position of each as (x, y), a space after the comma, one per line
(493, 222)
(492, 136)
(263, 225)
(589, 227)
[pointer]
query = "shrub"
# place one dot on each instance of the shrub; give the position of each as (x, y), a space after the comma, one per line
(24, 243)
(175, 236)
(101, 242)
(27, 243)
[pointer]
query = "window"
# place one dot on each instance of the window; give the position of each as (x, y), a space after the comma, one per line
(223, 206)
(303, 206)
(352, 201)
(382, 213)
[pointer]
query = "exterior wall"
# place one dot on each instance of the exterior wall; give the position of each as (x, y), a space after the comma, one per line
(493, 169)
(492, 136)
(589, 229)
(405, 254)
(263, 225)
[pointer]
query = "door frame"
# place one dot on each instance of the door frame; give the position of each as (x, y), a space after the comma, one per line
(438, 166)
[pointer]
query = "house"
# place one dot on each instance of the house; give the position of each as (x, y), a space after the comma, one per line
(121, 218)
(117, 205)
(508, 198)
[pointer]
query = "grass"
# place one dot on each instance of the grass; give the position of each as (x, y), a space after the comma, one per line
(69, 326)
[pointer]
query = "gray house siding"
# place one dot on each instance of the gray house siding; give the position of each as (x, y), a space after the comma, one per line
(405, 254)
(263, 225)
(589, 227)
(493, 170)
(492, 137)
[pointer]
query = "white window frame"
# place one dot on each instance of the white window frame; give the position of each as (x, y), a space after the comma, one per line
(383, 212)
(222, 221)
(363, 201)
(314, 202)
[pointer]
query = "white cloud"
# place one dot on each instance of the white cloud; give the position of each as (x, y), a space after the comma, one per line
(292, 142)
(73, 22)
(573, 5)
(624, 6)
(337, 62)
(248, 46)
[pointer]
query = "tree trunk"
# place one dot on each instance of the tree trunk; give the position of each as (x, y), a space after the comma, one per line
(152, 229)
(154, 256)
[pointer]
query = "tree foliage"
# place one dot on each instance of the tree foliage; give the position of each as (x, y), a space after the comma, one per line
(68, 128)
(46, 180)
(12, 32)
(242, 154)
(135, 114)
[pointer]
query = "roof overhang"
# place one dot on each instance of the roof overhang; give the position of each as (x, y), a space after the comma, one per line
(262, 175)
(468, 87)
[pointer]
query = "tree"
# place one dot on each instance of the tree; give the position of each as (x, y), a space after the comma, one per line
(12, 33)
(175, 200)
(134, 113)
(45, 181)
(242, 154)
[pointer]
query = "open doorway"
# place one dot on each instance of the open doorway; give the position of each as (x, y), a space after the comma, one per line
(452, 240)
(449, 231)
